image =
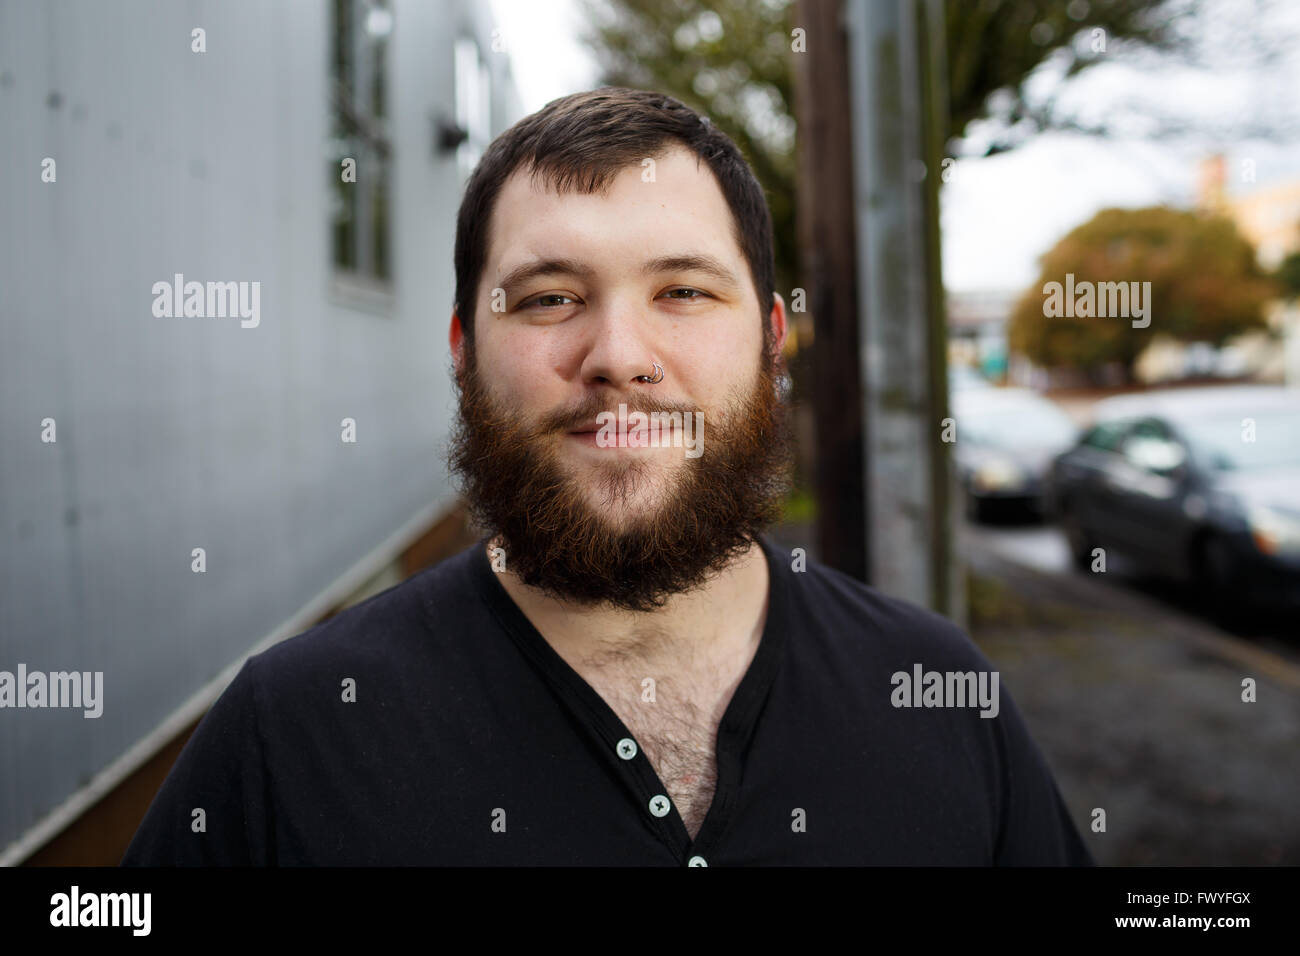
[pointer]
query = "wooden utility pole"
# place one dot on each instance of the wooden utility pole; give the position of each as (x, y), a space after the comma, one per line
(872, 95)
(828, 263)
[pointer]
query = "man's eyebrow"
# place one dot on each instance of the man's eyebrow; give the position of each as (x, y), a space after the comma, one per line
(687, 262)
(691, 262)
(544, 267)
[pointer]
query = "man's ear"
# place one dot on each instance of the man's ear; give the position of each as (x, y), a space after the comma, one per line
(456, 339)
(779, 328)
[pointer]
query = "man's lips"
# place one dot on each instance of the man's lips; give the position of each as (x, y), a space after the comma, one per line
(592, 427)
(613, 434)
(615, 431)
(617, 437)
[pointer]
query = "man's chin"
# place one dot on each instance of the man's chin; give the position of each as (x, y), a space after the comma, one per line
(640, 475)
(626, 502)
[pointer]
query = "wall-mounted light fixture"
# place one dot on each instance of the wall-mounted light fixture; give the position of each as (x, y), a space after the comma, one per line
(447, 136)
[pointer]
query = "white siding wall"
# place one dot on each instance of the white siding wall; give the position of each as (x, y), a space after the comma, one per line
(176, 433)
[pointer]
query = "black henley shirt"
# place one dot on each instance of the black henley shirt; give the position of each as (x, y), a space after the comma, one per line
(470, 741)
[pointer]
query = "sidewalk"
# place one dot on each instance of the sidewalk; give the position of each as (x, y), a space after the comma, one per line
(1139, 711)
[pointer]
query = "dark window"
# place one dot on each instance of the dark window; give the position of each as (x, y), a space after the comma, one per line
(473, 103)
(1105, 436)
(1149, 429)
(1151, 446)
(359, 132)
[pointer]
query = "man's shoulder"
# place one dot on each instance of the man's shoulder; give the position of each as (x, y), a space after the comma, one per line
(856, 614)
(395, 626)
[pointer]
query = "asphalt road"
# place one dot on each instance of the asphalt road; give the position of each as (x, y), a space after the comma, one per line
(1137, 702)
(1022, 540)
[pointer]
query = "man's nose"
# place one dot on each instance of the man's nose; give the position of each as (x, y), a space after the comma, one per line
(617, 347)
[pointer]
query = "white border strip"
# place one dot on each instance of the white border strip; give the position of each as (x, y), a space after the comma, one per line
(197, 705)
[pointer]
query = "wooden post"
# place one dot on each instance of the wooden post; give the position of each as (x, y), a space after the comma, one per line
(828, 262)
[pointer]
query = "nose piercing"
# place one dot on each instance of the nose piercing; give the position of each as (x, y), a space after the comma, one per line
(659, 375)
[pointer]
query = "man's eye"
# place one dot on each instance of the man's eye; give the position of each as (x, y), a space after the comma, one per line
(541, 299)
(697, 293)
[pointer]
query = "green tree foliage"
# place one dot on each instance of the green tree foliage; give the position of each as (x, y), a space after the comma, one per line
(1205, 287)
(1288, 276)
(728, 59)
(732, 60)
(995, 46)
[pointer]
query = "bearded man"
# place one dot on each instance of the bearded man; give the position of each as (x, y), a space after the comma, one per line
(625, 669)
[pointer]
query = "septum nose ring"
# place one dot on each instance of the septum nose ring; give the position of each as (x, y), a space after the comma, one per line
(658, 376)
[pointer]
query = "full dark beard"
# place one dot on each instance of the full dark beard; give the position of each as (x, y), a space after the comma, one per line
(710, 511)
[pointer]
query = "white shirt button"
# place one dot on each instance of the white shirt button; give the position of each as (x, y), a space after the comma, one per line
(696, 861)
(659, 805)
(626, 748)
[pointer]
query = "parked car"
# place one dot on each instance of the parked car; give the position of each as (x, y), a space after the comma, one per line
(1006, 440)
(1197, 484)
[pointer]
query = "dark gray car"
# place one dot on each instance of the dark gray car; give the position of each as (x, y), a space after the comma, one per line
(1196, 484)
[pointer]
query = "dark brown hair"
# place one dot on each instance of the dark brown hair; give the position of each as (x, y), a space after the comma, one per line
(580, 142)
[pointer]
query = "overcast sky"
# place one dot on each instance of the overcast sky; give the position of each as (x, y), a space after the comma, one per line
(1001, 213)
(545, 54)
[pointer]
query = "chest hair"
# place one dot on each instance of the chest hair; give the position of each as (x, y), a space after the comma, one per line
(675, 723)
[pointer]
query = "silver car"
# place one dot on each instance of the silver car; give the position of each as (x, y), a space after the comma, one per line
(1006, 440)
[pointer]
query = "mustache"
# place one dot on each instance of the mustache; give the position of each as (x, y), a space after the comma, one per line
(585, 414)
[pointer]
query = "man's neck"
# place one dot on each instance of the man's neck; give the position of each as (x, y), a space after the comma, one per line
(713, 625)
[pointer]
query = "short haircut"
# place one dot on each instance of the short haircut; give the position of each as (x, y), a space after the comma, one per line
(580, 142)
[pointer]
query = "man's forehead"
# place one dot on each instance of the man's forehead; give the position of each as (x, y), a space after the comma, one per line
(674, 207)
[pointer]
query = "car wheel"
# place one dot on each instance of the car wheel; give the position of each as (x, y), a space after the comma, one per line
(1220, 584)
(1078, 538)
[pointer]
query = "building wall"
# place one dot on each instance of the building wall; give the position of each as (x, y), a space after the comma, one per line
(1267, 214)
(182, 433)
(1270, 218)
